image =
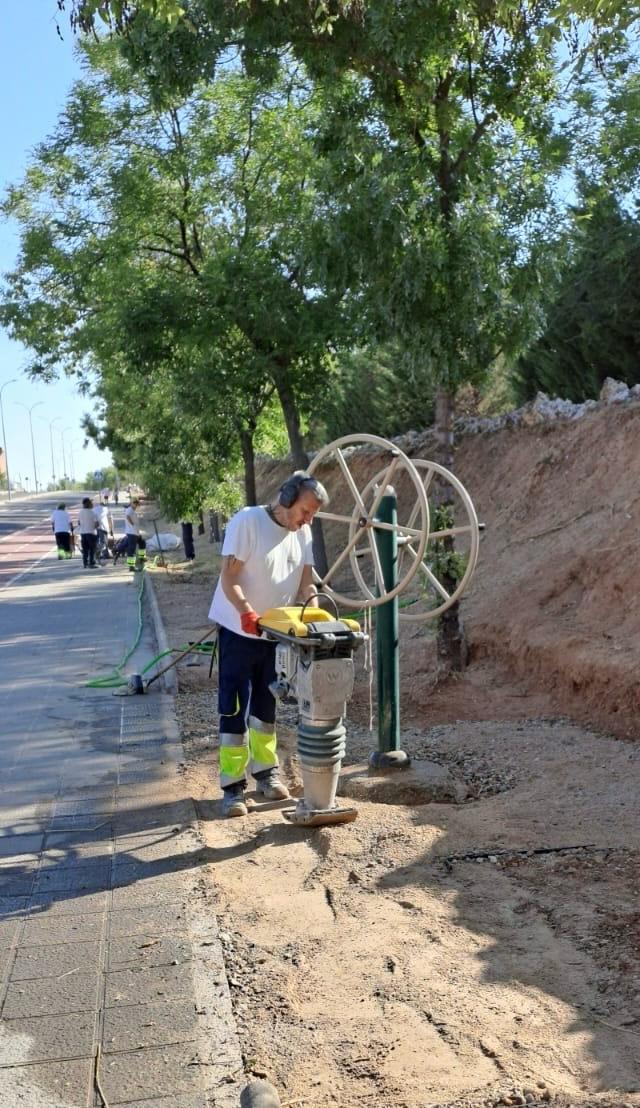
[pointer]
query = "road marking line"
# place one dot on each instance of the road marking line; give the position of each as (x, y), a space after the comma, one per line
(21, 530)
(29, 568)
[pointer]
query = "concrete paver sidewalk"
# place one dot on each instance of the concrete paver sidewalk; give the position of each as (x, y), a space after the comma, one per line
(113, 981)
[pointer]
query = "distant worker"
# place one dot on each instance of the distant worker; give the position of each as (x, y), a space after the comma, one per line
(62, 528)
(88, 527)
(136, 545)
(267, 563)
(187, 540)
(104, 521)
(104, 495)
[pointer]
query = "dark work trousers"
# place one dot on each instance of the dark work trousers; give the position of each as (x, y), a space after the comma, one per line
(247, 706)
(88, 543)
(135, 543)
(63, 542)
(187, 541)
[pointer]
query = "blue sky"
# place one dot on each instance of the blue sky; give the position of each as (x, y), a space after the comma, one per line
(36, 71)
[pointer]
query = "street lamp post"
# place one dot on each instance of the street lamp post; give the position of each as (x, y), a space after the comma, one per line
(74, 442)
(64, 460)
(4, 437)
(51, 423)
(33, 448)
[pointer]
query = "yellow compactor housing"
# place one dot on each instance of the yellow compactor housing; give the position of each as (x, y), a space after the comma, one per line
(293, 621)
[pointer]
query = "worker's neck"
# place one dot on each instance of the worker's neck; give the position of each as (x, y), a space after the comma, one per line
(277, 513)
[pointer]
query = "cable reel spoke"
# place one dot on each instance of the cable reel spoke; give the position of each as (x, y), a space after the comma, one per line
(339, 464)
(436, 594)
(429, 593)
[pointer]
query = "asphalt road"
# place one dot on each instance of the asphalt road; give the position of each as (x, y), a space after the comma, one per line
(19, 513)
(25, 530)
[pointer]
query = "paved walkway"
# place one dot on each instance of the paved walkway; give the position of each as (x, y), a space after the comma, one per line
(113, 984)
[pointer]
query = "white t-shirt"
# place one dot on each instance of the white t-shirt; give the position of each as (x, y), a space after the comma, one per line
(131, 522)
(101, 512)
(87, 521)
(61, 520)
(274, 560)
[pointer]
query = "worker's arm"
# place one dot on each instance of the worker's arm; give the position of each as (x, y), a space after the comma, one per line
(308, 590)
(231, 569)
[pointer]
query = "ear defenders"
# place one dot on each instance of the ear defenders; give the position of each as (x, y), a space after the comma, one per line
(293, 486)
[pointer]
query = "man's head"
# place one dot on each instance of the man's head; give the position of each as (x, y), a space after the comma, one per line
(299, 498)
(135, 502)
(61, 506)
(87, 502)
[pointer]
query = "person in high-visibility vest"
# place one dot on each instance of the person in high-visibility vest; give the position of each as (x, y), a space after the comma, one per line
(267, 563)
(136, 545)
(62, 528)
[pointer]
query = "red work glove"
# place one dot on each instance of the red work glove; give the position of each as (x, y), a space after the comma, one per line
(249, 622)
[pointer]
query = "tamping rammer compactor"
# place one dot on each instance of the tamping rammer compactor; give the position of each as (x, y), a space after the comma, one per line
(314, 665)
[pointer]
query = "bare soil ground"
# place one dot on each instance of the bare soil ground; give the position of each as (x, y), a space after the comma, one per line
(487, 951)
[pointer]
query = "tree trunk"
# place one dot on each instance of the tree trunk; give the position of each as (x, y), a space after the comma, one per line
(300, 461)
(292, 422)
(214, 526)
(452, 644)
(249, 461)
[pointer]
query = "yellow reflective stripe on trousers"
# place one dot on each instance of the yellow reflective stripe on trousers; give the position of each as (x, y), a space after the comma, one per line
(226, 715)
(234, 759)
(263, 748)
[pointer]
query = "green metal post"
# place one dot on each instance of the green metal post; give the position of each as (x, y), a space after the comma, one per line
(388, 755)
(387, 632)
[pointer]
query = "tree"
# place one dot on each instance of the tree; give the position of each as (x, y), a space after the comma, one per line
(587, 330)
(591, 331)
(165, 246)
(438, 126)
(377, 384)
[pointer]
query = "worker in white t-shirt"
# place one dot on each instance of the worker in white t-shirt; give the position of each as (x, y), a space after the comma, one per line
(62, 528)
(88, 528)
(136, 545)
(104, 521)
(267, 563)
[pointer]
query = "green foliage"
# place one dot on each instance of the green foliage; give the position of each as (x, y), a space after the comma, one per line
(382, 388)
(165, 251)
(445, 562)
(434, 152)
(591, 330)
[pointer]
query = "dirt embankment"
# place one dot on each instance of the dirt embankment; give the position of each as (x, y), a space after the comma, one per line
(554, 596)
(477, 953)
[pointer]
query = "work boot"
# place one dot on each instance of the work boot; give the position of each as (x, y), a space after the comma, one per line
(233, 801)
(269, 785)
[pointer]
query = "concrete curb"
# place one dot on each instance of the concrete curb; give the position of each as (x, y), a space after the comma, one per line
(169, 678)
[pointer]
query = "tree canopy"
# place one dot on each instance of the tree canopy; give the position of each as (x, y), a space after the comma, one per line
(165, 256)
(245, 202)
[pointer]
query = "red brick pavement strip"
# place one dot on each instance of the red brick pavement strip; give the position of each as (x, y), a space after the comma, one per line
(22, 550)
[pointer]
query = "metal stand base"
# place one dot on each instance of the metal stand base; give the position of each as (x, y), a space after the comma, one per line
(389, 759)
(301, 816)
